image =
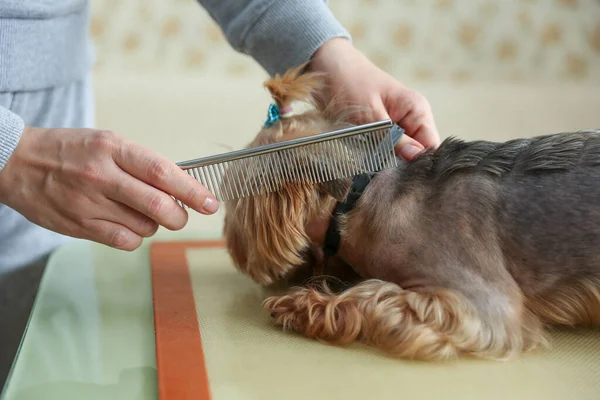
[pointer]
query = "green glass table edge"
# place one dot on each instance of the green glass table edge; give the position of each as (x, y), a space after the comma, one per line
(104, 379)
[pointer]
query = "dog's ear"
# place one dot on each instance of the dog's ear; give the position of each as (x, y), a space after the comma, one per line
(338, 189)
(273, 225)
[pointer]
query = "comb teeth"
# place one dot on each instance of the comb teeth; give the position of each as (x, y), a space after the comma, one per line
(315, 162)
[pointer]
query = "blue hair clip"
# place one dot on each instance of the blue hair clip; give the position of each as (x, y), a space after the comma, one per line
(272, 116)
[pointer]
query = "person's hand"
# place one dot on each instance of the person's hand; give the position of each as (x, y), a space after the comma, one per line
(95, 185)
(353, 80)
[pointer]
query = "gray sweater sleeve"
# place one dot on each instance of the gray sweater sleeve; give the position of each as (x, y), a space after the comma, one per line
(11, 127)
(278, 34)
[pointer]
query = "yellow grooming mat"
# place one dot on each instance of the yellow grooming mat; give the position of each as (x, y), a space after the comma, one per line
(214, 340)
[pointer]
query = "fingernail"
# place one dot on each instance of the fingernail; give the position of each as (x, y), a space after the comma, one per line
(210, 205)
(409, 151)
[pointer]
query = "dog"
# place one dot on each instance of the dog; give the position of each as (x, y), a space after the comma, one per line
(472, 249)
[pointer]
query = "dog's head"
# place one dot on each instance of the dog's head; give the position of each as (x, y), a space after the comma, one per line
(267, 234)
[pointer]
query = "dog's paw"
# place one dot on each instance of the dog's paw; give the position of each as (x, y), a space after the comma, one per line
(286, 312)
(316, 315)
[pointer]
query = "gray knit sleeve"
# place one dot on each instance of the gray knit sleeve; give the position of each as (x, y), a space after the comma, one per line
(278, 34)
(11, 127)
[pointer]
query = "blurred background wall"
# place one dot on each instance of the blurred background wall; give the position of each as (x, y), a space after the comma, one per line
(415, 40)
(492, 69)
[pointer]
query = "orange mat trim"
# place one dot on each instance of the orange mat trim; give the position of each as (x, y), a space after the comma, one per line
(181, 368)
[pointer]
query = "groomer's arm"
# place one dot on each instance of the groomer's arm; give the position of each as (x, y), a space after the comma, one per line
(281, 34)
(278, 34)
(93, 184)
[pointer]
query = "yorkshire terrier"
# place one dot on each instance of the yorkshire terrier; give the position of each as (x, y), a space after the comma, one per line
(471, 249)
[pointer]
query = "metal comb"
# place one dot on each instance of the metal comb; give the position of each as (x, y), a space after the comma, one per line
(317, 158)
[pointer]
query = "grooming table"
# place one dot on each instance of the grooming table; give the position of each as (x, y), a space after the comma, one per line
(214, 341)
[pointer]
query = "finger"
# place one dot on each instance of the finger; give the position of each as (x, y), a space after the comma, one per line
(407, 147)
(149, 201)
(163, 174)
(137, 222)
(412, 112)
(112, 234)
(421, 127)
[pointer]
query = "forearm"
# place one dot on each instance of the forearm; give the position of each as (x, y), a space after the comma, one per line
(11, 128)
(278, 34)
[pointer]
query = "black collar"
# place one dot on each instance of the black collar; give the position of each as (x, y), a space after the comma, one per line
(332, 237)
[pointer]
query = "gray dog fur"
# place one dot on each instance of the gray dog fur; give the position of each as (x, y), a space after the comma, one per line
(489, 220)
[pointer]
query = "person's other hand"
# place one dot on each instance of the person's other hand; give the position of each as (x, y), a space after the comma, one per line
(353, 80)
(95, 185)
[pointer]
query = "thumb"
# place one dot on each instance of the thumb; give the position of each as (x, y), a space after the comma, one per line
(407, 147)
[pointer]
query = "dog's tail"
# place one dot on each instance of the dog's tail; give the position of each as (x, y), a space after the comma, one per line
(295, 85)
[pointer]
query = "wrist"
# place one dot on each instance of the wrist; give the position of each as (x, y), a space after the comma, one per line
(332, 53)
(5, 181)
(333, 45)
(11, 128)
(10, 170)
